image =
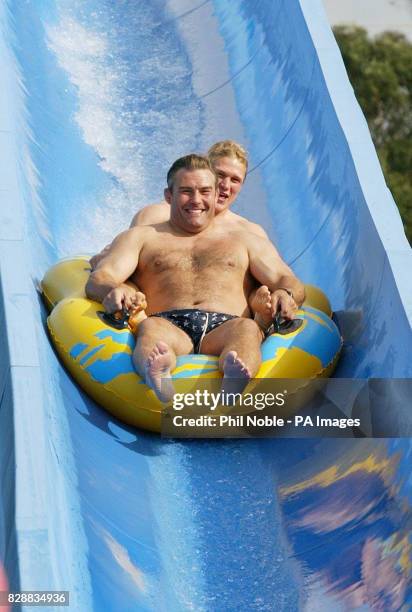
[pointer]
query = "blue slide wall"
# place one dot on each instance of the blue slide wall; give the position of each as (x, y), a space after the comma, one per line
(98, 98)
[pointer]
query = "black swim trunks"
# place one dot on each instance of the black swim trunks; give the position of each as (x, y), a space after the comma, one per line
(196, 323)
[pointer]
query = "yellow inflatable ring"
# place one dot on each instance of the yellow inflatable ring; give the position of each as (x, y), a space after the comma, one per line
(99, 356)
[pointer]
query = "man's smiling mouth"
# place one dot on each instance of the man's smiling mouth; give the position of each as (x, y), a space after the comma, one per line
(194, 211)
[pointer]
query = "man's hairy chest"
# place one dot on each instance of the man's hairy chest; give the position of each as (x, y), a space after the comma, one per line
(193, 256)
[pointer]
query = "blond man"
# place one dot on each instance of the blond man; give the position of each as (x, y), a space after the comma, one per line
(229, 161)
(194, 272)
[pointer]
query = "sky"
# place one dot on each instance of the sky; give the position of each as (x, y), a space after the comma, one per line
(374, 15)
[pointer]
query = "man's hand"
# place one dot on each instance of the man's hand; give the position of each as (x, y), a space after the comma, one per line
(124, 297)
(269, 269)
(284, 303)
(265, 305)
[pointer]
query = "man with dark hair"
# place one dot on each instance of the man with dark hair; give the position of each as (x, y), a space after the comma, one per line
(193, 274)
(229, 161)
(188, 162)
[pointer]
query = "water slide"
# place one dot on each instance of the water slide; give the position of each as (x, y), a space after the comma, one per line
(98, 97)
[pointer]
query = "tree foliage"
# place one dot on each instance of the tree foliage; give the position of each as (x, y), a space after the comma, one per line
(380, 70)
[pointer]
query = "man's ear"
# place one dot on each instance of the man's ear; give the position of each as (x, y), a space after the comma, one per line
(168, 195)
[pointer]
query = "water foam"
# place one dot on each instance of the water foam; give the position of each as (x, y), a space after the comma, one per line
(135, 108)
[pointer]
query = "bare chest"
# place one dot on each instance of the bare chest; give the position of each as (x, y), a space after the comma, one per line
(192, 256)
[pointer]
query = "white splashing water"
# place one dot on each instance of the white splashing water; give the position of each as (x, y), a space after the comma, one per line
(82, 54)
(131, 111)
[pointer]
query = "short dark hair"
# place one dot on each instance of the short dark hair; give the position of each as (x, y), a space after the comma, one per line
(189, 162)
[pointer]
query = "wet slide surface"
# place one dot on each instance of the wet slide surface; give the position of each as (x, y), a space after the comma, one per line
(99, 97)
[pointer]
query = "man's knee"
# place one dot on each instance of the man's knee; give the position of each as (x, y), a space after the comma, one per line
(149, 328)
(156, 328)
(247, 327)
(147, 325)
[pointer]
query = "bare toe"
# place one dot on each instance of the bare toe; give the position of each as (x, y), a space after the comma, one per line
(233, 366)
(157, 370)
(235, 376)
(261, 303)
(162, 347)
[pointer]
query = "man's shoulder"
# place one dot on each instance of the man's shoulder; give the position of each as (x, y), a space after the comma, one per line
(152, 213)
(243, 224)
(151, 232)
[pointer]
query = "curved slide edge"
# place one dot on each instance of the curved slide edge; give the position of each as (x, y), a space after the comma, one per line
(42, 533)
(379, 199)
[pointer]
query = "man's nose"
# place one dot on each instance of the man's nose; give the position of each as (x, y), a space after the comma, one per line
(196, 196)
(225, 183)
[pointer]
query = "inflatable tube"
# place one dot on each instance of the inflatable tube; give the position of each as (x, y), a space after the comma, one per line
(68, 278)
(99, 357)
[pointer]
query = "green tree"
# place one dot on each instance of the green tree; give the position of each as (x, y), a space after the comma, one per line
(380, 70)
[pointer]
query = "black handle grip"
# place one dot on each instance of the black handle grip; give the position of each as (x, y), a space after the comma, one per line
(114, 320)
(284, 326)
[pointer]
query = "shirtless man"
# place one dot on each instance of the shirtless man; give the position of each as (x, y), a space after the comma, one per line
(194, 273)
(230, 162)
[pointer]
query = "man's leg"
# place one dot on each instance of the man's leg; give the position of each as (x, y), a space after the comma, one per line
(158, 343)
(238, 343)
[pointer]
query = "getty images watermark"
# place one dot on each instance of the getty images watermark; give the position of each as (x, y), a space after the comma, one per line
(214, 412)
(257, 402)
(209, 399)
(378, 408)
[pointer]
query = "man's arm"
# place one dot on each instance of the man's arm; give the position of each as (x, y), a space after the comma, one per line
(267, 267)
(255, 297)
(107, 283)
(149, 215)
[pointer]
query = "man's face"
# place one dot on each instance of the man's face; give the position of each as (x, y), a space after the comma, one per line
(192, 199)
(231, 174)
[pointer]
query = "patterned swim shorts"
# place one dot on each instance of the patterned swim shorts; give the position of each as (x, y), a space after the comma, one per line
(196, 323)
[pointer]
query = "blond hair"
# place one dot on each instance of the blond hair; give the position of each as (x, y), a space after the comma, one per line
(189, 162)
(228, 148)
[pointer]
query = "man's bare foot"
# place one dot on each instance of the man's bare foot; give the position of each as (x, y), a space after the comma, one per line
(157, 371)
(262, 305)
(235, 376)
(233, 367)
